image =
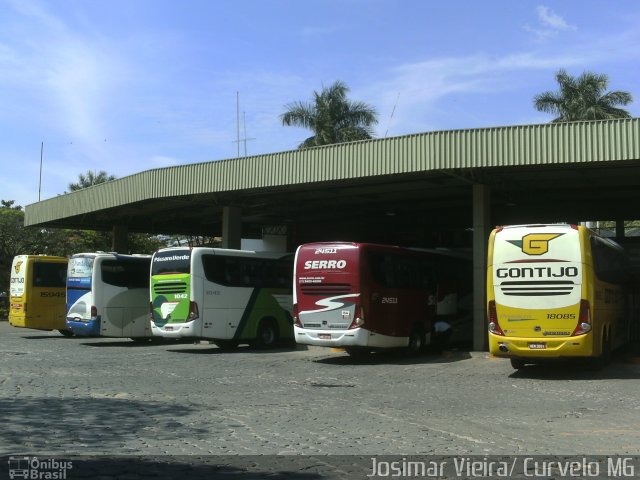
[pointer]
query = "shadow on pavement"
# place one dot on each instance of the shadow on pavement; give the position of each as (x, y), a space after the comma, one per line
(396, 357)
(577, 370)
(101, 423)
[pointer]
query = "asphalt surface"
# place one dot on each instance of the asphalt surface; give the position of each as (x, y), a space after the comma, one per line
(126, 410)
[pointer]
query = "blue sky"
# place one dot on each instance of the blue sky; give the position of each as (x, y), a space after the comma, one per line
(126, 86)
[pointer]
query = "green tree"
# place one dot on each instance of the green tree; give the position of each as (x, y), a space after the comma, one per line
(89, 179)
(583, 98)
(331, 117)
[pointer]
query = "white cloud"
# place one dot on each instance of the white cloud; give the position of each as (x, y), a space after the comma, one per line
(552, 20)
(550, 24)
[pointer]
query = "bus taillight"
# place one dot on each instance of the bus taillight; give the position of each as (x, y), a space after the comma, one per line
(296, 318)
(358, 317)
(584, 319)
(94, 312)
(193, 311)
(494, 326)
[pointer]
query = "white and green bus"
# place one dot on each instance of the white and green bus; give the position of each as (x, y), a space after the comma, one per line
(228, 296)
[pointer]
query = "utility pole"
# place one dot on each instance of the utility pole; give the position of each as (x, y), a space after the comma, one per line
(40, 182)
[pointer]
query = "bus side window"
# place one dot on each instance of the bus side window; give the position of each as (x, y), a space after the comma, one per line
(609, 261)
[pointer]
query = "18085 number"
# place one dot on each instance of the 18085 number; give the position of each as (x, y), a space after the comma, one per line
(561, 316)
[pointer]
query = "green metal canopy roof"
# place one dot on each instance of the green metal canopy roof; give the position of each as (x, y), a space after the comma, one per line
(532, 165)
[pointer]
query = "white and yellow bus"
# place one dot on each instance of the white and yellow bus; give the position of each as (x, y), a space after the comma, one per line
(555, 291)
(37, 293)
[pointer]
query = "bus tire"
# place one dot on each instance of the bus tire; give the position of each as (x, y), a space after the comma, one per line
(141, 339)
(517, 363)
(226, 344)
(601, 361)
(267, 334)
(66, 333)
(416, 341)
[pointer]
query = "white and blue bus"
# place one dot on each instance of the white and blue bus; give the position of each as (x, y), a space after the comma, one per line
(108, 295)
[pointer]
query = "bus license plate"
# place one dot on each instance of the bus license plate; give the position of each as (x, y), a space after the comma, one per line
(168, 329)
(324, 336)
(537, 346)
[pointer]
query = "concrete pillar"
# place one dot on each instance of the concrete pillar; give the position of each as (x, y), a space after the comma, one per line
(481, 230)
(120, 239)
(231, 227)
(620, 231)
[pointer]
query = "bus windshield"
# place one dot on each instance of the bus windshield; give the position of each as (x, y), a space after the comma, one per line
(171, 261)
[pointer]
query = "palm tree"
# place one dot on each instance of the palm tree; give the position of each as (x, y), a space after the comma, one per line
(331, 117)
(91, 178)
(583, 98)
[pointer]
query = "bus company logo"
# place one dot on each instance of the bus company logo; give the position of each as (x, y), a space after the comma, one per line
(535, 243)
(171, 258)
(33, 468)
(324, 264)
(320, 251)
(17, 267)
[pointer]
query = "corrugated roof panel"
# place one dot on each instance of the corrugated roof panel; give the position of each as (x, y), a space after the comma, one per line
(578, 142)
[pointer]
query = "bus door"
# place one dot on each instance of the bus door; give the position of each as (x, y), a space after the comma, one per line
(226, 295)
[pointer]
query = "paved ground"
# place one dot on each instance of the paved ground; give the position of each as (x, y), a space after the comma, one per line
(109, 397)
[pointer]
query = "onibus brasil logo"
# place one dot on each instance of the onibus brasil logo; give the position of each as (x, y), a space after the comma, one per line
(535, 243)
(33, 468)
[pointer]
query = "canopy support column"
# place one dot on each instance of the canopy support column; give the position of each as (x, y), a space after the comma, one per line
(231, 227)
(120, 239)
(481, 230)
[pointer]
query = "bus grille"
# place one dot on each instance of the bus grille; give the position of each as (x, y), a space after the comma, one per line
(326, 289)
(537, 288)
(170, 287)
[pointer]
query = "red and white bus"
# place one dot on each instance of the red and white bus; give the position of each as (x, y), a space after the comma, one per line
(363, 297)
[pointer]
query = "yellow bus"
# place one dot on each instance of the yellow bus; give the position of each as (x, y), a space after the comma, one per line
(555, 291)
(37, 293)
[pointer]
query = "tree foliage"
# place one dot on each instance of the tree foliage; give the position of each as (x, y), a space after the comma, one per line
(16, 239)
(331, 117)
(583, 98)
(89, 179)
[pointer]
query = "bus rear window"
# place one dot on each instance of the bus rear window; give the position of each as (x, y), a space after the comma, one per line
(171, 262)
(49, 275)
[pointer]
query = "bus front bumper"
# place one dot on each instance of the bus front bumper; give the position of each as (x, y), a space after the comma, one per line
(90, 328)
(174, 330)
(355, 337)
(541, 348)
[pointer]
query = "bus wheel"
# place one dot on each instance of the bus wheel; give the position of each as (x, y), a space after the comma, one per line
(267, 334)
(226, 344)
(517, 363)
(66, 333)
(416, 341)
(601, 361)
(141, 339)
